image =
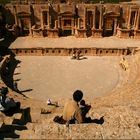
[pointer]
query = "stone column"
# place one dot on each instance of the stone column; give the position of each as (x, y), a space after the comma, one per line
(48, 19)
(15, 14)
(78, 23)
(135, 20)
(56, 24)
(93, 13)
(138, 18)
(62, 23)
(84, 24)
(72, 26)
(41, 19)
(115, 27)
(133, 51)
(128, 24)
(59, 22)
(101, 16)
(30, 28)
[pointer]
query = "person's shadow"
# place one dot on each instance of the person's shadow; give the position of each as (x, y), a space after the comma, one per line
(97, 121)
(8, 131)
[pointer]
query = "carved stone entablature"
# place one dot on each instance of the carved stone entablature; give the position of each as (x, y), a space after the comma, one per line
(111, 14)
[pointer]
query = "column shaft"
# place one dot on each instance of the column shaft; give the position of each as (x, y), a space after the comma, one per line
(84, 24)
(15, 15)
(115, 26)
(30, 28)
(48, 19)
(78, 23)
(100, 22)
(42, 22)
(135, 20)
(93, 13)
(56, 24)
(128, 24)
(59, 20)
(138, 18)
(72, 26)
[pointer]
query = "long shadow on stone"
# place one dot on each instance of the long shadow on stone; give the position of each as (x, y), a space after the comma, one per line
(8, 79)
(8, 131)
(26, 117)
(97, 121)
(27, 90)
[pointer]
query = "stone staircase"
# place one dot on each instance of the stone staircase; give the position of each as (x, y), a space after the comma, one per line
(121, 110)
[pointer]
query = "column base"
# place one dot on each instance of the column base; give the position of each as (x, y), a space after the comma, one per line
(52, 33)
(97, 32)
(123, 33)
(137, 34)
(81, 33)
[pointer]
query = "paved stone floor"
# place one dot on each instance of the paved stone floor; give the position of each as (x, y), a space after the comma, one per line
(58, 76)
(73, 42)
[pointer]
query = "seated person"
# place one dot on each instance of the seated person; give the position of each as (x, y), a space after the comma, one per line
(72, 112)
(84, 109)
(7, 105)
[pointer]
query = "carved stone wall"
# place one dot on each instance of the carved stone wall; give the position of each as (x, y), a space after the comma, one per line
(69, 51)
(80, 20)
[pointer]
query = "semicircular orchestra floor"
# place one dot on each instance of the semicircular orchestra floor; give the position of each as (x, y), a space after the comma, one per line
(54, 77)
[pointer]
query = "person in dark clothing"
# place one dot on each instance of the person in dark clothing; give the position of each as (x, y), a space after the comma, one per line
(84, 109)
(7, 105)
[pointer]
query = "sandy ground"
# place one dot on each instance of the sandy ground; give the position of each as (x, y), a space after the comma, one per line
(58, 76)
